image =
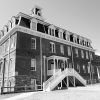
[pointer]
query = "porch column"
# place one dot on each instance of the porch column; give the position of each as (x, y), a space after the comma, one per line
(54, 66)
(67, 75)
(44, 68)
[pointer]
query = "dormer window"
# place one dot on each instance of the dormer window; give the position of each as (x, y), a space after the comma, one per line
(83, 42)
(61, 33)
(25, 22)
(14, 21)
(78, 41)
(75, 39)
(67, 36)
(71, 38)
(5, 29)
(51, 30)
(40, 27)
(64, 35)
(56, 33)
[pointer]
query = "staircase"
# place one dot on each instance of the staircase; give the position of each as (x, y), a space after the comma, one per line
(54, 80)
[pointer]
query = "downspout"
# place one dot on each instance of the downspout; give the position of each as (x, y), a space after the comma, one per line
(73, 65)
(3, 76)
(41, 60)
(90, 69)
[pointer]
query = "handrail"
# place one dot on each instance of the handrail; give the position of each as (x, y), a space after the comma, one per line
(45, 84)
(76, 74)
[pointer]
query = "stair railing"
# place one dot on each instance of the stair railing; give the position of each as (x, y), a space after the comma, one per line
(47, 83)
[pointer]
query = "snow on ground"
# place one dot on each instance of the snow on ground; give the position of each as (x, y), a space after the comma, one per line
(91, 92)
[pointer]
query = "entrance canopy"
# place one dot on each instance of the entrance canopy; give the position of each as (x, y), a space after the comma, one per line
(57, 58)
(57, 63)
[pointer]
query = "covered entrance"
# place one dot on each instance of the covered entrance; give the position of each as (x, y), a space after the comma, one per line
(54, 63)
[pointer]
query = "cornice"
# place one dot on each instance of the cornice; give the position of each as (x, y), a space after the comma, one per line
(42, 35)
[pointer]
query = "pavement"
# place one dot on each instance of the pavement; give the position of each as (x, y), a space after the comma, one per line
(91, 92)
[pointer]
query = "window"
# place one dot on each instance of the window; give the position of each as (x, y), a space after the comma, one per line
(76, 52)
(33, 43)
(78, 41)
(33, 64)
(64, 36)
(56, 33)
(84, 69)
(71, 38)
(40, 27)
(78, 68)
(91, 56)
(88, 68)
(69, 51)
(87, 56)
(82, 53)
(51, 31)
(52, 47)
(70, 65)
(92, 68)
(25, 22)
(33, 83)
(62, 49)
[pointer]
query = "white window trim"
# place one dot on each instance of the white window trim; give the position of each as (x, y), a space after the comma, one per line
(78, 68)
(31, 43)
(69, 51)
(84, 68)
(82, 54)
(35, 64)
(87, 56)
(62, 49)
(53, 51)
(76, 52)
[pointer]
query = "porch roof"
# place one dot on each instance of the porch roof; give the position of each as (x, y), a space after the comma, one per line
(57, 57)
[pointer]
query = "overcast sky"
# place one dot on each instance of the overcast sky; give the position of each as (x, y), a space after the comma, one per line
(78, 16)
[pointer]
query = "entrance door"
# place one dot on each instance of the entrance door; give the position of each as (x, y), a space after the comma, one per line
(70, 65)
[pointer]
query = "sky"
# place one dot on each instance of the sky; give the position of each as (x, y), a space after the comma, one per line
(78, 16)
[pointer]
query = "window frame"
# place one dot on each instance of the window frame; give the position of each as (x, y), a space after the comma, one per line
(84, 68)
(87, 55)
(52, 47)
(32, 43)
(62, 49)
(34, 64)
(82, 53)
(76, 52)
(69, 51)
(78, 68)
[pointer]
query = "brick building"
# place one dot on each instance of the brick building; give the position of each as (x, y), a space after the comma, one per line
(39, 54)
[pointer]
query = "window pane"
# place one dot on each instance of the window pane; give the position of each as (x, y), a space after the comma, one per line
(33, 64)
(69, 51)
(62, 49)
(52, 47)
(33, 43)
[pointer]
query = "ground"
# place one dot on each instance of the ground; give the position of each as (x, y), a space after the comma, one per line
(91, 92)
